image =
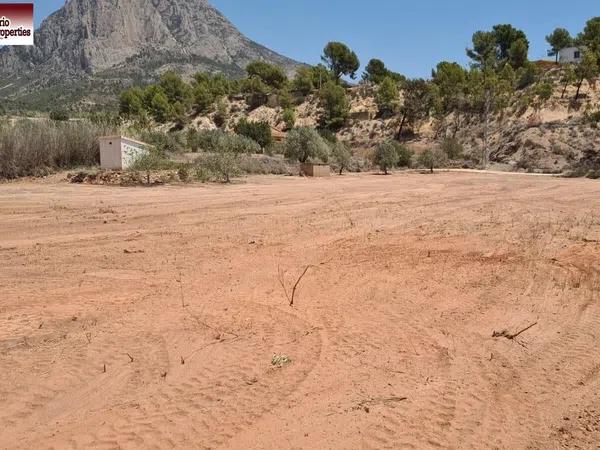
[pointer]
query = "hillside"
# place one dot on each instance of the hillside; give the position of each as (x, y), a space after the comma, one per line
(90, 48)
(549, 138)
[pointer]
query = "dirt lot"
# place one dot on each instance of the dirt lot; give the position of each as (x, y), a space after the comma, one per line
(149, 317)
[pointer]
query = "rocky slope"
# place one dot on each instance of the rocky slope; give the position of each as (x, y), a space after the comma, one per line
(101, 45)
(547, 139)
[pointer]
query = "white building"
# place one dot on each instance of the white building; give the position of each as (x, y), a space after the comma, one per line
(120, 152)
(570, 55)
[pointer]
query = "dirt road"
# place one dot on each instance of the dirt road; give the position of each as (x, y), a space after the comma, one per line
(149, 318)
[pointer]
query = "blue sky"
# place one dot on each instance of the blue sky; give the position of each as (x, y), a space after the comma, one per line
(409, 36)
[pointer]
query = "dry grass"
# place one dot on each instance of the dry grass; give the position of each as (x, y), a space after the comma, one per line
(33, 148)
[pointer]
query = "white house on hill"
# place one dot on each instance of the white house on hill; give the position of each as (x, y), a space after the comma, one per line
(570, 55)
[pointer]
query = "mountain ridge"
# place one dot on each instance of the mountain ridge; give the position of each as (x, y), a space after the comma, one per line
(78, 46)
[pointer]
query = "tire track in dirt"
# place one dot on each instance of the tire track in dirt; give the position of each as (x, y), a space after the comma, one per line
(203, 403)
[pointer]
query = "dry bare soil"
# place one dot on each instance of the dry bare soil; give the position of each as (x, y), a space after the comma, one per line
(149, 318)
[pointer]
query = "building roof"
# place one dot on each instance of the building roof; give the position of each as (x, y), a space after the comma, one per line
(126, 138)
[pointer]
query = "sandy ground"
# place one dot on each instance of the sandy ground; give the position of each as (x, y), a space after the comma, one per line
(149, 317)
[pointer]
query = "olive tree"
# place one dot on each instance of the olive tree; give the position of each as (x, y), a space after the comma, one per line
(341, 155)
(305, 144)
(385, 156)
(432, 158)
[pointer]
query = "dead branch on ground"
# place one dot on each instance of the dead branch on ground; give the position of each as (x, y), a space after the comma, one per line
(365, 404)
(282, 282)
(511, 336)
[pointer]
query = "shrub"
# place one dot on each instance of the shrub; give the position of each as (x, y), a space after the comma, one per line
(385, 156)
(304, 144)
(221, 115)
(526, 75)
(224, 165)
(432, 158)
(224, 152)
(59, 115)
(341, 155)
(405, 155)
(289, 118)
(191, 140)
(259, 132)
(154, 160)
(164, 142)
(286, 100)
(453, 148)
(543, 93)
(593, 117)
(38, 147)
(265, 165)
(276, 148)
(201, 173)
(105, 119)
